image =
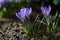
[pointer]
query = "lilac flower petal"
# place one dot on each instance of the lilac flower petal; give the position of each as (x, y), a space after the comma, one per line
(43, 10)
(46, 10)
(5, 1)
(1, 1)
(23, 10)
(21, 16)
(28, 12)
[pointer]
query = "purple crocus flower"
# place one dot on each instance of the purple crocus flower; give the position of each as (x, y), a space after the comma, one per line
(1, 1)
(4, 1)
(23, 13)
(46, 10)
(28, 12)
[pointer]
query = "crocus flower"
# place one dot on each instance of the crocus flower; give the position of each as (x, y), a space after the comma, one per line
(3, 2)
(23, 13)
(46, 10)
(28, 12)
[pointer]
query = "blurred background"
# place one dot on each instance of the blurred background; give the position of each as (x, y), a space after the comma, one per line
(8, 8)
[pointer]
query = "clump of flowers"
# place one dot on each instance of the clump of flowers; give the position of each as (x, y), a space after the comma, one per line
(51, 24)
(51, 21)
(31, 28)
(23, 13)
(48, 20)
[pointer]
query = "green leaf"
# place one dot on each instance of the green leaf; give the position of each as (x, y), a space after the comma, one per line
(1, 14)
(56, 2)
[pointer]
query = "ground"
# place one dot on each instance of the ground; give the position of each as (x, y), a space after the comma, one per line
(11, 29)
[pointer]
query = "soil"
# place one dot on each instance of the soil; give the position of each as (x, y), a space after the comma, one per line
(11, 29)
